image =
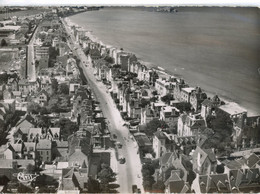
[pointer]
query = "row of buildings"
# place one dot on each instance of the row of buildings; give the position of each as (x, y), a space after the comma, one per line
(184, 164)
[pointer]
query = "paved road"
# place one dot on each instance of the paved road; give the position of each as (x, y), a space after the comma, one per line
(31, 71)
(128, 173)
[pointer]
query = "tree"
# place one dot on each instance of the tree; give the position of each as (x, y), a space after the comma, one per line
(54, 85)
(106, 175)
(67, 127)
(29, 169)
(109, 59)
(158, 187)
(33, 107)
(167, 98)
(147, 172)
(3, 43)
(63, 89)
(43, 121)
(4, 78)
(93, 186)
(155, 92)
(153, 125)
(183, 106)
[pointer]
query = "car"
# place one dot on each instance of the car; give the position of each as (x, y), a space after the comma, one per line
(114, 136)
(122, 160)
(119, 146)
(134, 188)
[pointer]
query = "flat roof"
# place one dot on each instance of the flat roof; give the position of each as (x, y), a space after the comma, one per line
(188, 90)
(232, 108)
(6, 28)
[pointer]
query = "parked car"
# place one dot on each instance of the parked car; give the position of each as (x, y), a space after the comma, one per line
(122, 160)
(134, 188)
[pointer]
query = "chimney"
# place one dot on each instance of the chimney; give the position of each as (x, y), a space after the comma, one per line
(78, 149)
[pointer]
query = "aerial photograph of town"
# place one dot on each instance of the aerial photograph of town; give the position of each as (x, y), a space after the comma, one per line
(129, 99)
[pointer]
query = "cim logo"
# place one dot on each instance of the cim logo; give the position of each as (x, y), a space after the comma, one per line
(26, 178)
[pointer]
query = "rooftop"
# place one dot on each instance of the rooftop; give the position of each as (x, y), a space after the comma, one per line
(188, 90)
(233, 108)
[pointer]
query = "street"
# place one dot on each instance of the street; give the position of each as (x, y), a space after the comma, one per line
(31, 71)
(128, 173)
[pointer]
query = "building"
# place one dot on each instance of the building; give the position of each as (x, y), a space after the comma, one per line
(41, 52)
(204, 161)
(186, 93)
(208, 106)
(42, 98)
(196, 98)
(189, 125)
(170, 115)
(44, 150)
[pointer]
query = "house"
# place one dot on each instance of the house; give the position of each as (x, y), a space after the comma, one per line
(208, 106)
(94, 54)
(9, 105)
(213, 183)
(41, 52)
(204, 161)
(80, 139)
(42, 98)
(189, 125)
(7, 152)
(170, 115)
(186, 93)
(18, 148)
(162, 143)
(174, 184)
(143, 142)
(245, 180)
(241, 134)
(78, 158)
(69, 181)
(196, 98)
(233, 109)
(23, 126)
(23, 86)
(187, 143)
(29, 150)
(44, 150)
(178, 94)
(61, 150)
(53, 134)
(73, 88)
(161, 86)
(34, 134)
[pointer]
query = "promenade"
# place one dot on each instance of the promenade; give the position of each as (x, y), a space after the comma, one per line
(129, 173)
(31, 70)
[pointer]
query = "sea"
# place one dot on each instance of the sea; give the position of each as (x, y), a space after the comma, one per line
(216, 48)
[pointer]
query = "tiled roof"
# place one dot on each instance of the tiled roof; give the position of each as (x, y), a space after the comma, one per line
(160, 135)
(252, 160)
(44, 144)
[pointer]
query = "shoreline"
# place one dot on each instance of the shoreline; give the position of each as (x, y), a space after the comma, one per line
(161, 70)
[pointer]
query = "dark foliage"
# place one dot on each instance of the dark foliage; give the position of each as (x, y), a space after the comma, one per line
(67, 127)
(153, 125)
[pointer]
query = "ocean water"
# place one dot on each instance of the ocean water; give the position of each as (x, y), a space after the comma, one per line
(217, 49)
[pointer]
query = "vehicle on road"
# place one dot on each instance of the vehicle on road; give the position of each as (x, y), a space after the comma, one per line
(134, 188)
(122, 160)
(119, 145)
(114, 136)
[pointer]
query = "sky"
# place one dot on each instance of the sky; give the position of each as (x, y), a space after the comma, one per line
(253, 3)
